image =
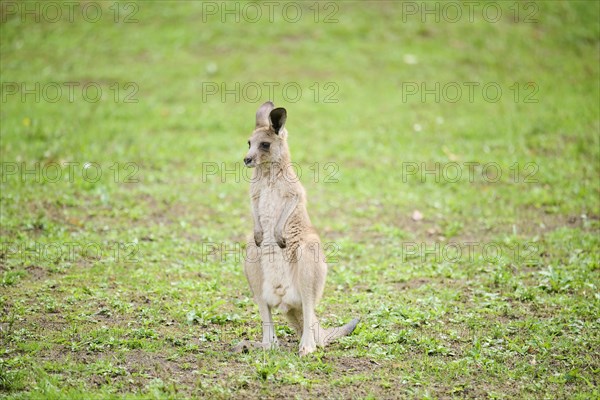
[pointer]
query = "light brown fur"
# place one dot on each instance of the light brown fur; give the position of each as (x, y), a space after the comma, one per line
(285, 264)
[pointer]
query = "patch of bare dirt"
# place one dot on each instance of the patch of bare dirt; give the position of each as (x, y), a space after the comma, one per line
(36, 273)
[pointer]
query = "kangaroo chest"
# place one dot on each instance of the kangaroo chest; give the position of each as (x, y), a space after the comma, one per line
(270, 205)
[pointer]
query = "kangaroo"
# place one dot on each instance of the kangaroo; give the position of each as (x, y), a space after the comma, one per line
(285, 264)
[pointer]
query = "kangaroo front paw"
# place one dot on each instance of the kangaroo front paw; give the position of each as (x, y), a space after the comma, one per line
(280, 239)
(258, 237)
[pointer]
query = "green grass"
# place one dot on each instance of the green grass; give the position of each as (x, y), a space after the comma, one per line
(131, 285)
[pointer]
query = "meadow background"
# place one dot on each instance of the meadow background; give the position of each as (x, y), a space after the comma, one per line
(124, 204)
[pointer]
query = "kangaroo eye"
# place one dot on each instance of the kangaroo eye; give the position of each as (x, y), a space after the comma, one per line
(265, 145)
(248, 144)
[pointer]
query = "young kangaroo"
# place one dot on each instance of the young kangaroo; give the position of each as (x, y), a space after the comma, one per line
(285, 263)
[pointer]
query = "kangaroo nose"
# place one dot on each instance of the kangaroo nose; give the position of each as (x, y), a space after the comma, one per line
(247, 160)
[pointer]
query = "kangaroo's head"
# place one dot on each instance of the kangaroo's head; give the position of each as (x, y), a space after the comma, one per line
(268, 141)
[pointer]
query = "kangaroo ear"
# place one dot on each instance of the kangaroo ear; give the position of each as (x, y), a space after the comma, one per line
(277, 118)
(262, 115)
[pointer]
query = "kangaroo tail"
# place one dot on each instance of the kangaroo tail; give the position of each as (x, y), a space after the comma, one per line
(331, 334)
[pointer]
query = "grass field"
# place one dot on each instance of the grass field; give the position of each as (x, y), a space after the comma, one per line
(451, 160)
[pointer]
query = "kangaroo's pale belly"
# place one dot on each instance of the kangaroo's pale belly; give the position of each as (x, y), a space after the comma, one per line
(278, 288)
(278, 272)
